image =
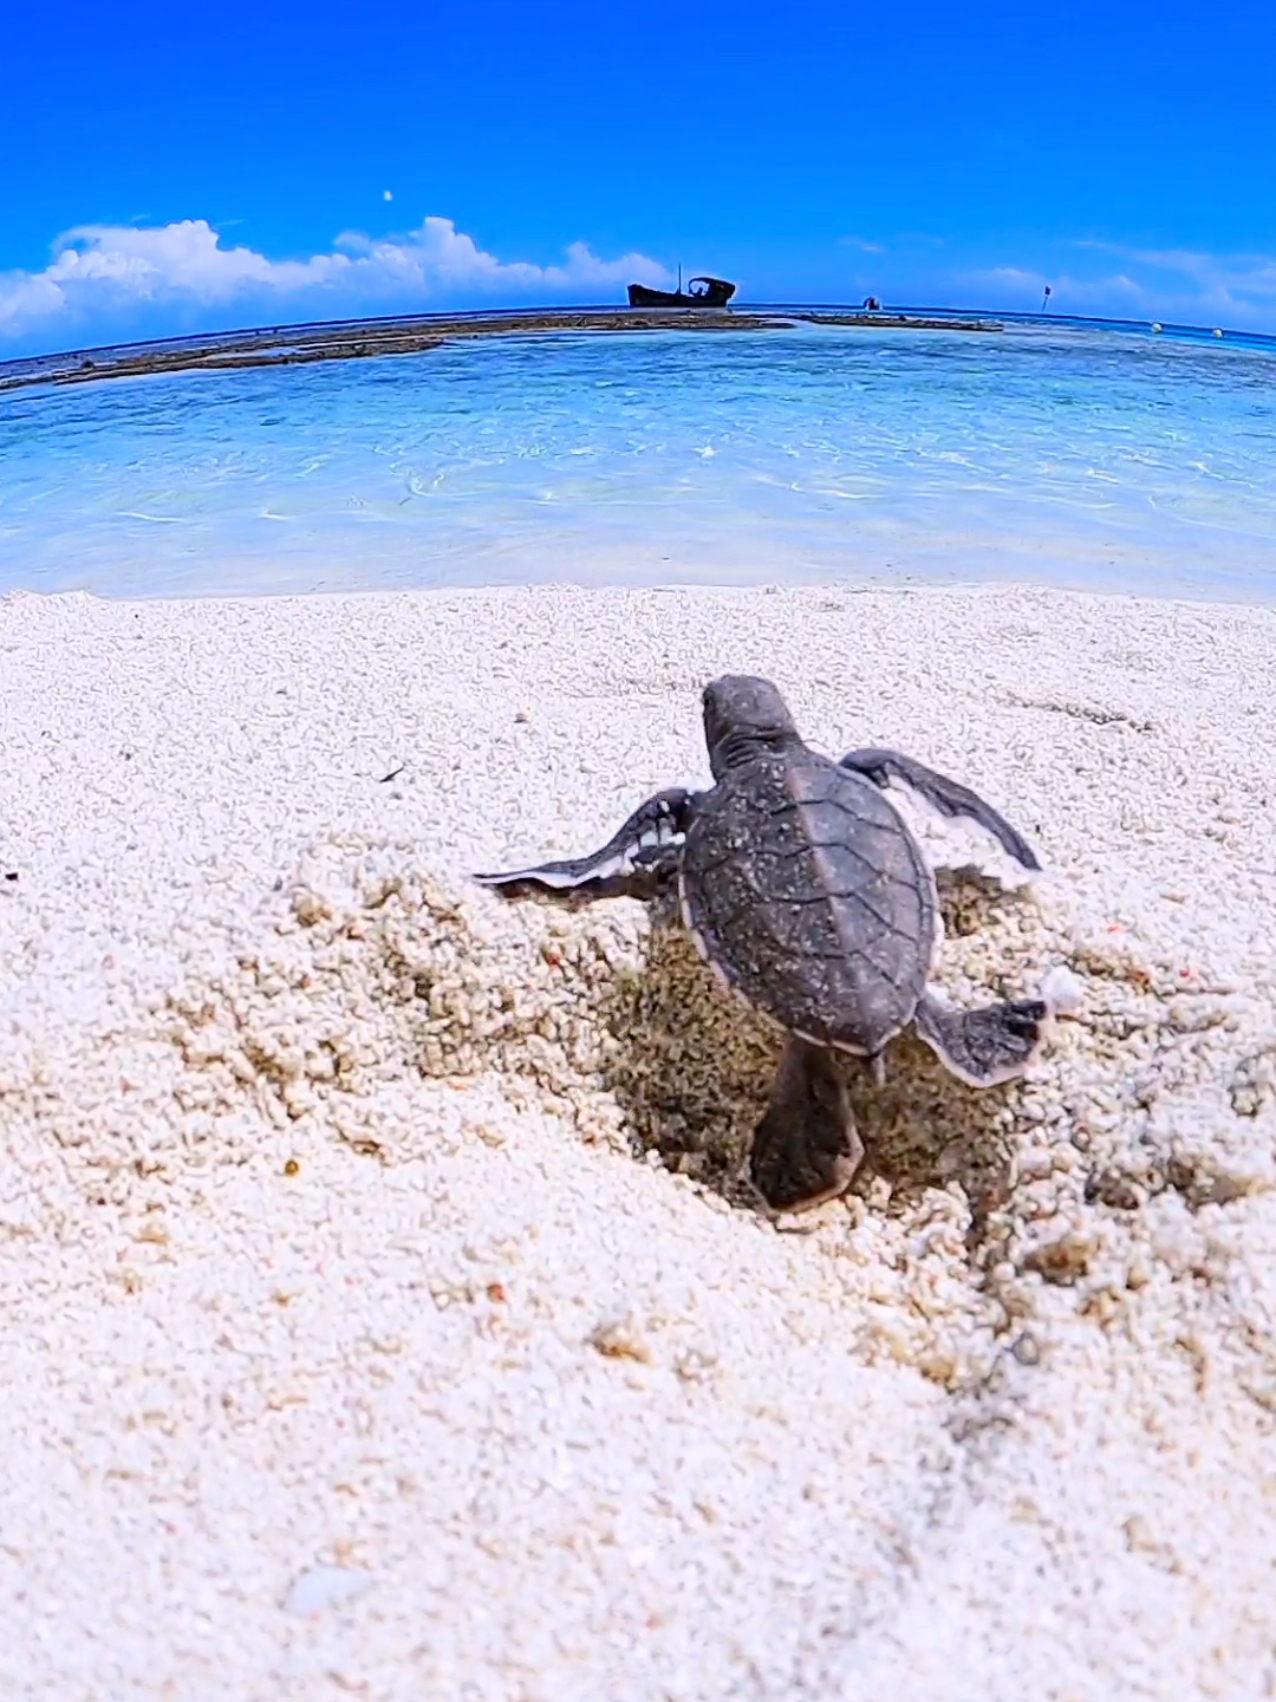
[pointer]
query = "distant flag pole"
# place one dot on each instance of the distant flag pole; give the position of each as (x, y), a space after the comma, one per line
(1045, 300)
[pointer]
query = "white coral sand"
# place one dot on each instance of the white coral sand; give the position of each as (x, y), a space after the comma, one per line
(379, 1318)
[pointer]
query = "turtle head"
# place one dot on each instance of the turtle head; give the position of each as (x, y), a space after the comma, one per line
(744, 717)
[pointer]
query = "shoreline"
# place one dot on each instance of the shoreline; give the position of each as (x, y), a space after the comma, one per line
(903, 585)
(368, 1246)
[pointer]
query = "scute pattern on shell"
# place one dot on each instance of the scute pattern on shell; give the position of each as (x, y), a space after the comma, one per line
(812, 898)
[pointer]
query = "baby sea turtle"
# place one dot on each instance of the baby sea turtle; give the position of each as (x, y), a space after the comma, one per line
(805, 891)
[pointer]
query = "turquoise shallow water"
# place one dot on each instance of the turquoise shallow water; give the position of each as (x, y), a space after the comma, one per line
(1083, 457)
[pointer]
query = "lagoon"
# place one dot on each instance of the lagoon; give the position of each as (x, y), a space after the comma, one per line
(1081, 456)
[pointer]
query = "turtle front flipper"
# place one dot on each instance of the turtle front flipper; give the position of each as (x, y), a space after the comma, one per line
(805, 1148)
(985, 1046)
(636, 861)
(947, 796)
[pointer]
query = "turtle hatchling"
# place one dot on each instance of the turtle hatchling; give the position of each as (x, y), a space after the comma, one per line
(805, 891)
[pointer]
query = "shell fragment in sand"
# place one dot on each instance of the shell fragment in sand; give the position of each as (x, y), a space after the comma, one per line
(1062, 990)
(325, 1586)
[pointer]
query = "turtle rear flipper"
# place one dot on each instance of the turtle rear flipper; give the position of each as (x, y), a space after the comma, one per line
(635, 862)
(947, 796)
(805, 1148)
(985, 1046)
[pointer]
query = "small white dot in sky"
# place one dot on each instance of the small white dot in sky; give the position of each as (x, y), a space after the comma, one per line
(388, 196)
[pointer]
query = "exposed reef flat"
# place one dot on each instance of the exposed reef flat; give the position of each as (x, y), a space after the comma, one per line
(293, 345)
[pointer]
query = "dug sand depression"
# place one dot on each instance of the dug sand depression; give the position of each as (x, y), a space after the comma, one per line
(382, 1316)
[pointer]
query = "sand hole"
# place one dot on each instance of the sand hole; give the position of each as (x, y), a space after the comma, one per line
(617, 1025)
(693, 1066)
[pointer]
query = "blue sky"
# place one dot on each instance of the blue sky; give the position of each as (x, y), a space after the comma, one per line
(188, 167)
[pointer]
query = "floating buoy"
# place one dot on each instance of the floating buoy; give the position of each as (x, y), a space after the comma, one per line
(1218, 333)
(1157, 326)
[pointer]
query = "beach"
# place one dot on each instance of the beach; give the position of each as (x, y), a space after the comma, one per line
(381, 1318)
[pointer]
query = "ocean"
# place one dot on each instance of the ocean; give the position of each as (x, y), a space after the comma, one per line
(1079, 455)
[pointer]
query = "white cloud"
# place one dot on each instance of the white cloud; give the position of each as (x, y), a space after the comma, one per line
(1241, 286)
(1170, 284)
(99, 271)
(1023, 287)
(159, 279)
